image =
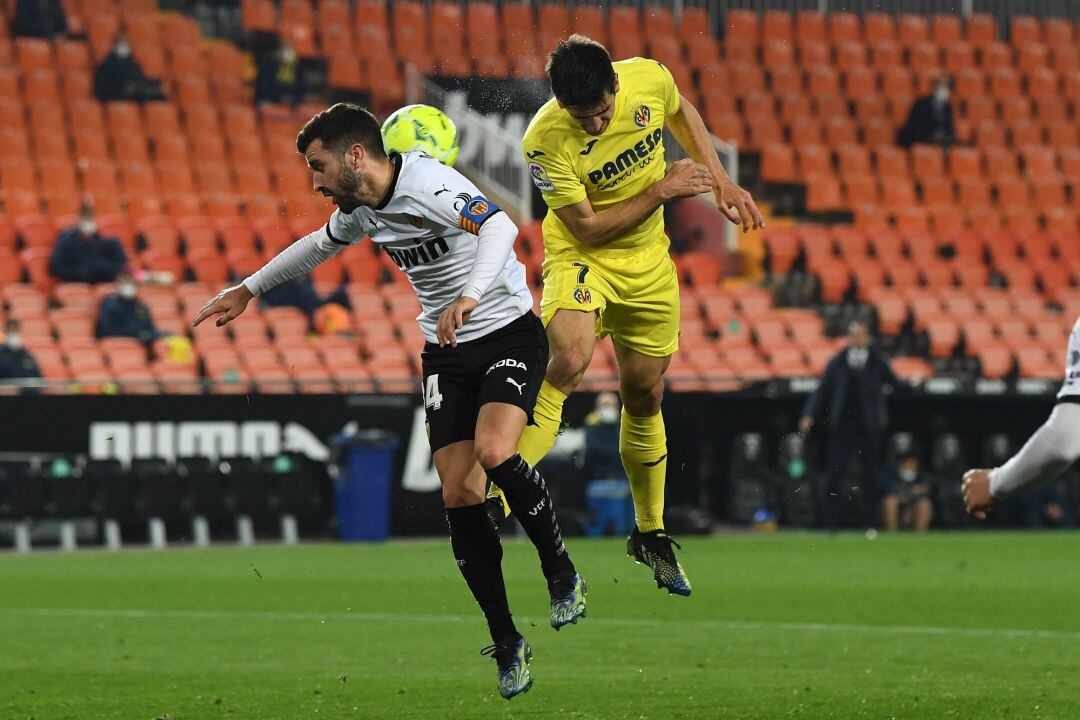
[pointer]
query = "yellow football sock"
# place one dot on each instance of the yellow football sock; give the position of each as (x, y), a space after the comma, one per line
(643, 447)
(538, 438)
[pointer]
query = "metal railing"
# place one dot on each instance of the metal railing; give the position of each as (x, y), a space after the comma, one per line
(729, 158)
(488, 153)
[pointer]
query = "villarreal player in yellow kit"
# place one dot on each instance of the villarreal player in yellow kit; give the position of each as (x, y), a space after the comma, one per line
(596, 153)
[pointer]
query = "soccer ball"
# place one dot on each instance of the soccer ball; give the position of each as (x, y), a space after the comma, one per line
(424, 128)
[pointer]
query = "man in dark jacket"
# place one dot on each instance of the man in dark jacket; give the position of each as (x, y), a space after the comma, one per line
(82, 255)
(119, 76)
(16, 363)
(39, 18)
(123, 314)
(930, 119)
(851, 397)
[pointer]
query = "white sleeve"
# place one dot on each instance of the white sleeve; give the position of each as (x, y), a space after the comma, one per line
(1052, 449)
(304, 255)
(495, 243)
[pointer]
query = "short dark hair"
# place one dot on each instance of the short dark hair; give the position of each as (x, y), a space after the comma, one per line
(580, 71)
(340, 127)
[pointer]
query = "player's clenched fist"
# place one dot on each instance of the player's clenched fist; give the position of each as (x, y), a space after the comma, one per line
(453, 318)
(228, 303)
(977, 497)
(686, 178)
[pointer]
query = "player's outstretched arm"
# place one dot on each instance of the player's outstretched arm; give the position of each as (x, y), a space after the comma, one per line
(736, 203)
(227, 305)
(1053, 448)
(301, 257)
(684, 178)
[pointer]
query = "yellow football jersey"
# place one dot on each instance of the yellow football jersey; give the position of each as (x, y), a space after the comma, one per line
(568, 165)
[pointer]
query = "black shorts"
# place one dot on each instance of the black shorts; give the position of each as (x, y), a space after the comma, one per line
(505, 366)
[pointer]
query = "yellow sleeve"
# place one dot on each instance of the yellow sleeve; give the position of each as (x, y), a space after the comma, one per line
(668, 90)
(553, 174)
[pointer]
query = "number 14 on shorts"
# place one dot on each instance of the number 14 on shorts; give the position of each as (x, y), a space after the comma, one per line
(432, 397)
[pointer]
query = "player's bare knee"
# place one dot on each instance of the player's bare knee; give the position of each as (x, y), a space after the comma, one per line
(566, 369)
(493, 453)
(642, 399)
(456, 496)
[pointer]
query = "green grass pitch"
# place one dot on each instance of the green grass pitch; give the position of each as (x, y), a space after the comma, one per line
(799, 625)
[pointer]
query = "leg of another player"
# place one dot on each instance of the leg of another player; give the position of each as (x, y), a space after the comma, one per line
(571, 339)
(498, 429)
(890, 510)
(924, 508)
(642, 438)
(475, 543)
(643, 447)
(837, 459)
(478, 552)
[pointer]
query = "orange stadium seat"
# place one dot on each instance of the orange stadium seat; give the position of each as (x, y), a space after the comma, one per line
(982, 28)
(843, 27)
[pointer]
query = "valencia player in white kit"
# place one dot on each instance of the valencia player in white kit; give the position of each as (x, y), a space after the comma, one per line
(1049, 452)
(485, 355)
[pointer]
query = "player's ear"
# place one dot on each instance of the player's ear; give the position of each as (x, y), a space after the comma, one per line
(355, 156)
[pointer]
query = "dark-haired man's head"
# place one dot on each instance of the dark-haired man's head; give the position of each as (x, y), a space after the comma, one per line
(584, 82)
(859, 334)
(13, 334)
(344, 149)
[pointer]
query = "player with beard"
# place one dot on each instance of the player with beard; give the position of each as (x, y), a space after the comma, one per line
(485, 353)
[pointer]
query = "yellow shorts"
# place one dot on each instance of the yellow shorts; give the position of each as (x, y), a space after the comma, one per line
(635, 296)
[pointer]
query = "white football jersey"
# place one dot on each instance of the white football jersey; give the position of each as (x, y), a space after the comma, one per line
(1071, 385)
(428, 224)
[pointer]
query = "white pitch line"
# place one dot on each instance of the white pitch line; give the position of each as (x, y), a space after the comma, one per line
(655, 622)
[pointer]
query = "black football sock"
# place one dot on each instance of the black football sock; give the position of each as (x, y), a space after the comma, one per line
(478, 552)
(528, 497)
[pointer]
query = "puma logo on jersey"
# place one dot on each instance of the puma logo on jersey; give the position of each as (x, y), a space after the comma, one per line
(588, 147)
(536, 153)
(406, 258)
(440, 192)
(520, 386)
(507, 362)
(656, 462)
(539, 505)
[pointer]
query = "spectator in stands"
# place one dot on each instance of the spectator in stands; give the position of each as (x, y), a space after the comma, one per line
(16, 362)
(602, 439)
(930, 120)
(607, 491)
(39, 18)
(851, 398)
(119, 76)
(300, 293)
(123, 314)
(279, 79)
(907, 502)
(83, 255)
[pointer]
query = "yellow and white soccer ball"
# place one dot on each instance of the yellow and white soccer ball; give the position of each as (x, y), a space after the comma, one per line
(424, 128)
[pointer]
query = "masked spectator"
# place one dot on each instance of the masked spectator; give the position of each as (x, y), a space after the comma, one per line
(123, 314)
(83, 255)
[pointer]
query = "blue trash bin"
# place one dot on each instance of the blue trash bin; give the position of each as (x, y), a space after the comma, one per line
(362, 484)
